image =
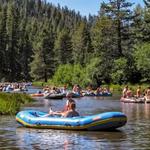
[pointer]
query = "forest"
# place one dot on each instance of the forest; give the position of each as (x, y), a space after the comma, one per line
(43, 42)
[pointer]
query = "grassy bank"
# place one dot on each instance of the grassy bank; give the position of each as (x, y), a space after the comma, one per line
(10, 103)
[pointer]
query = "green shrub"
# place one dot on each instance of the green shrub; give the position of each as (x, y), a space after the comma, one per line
(70, 75)
(10, 102)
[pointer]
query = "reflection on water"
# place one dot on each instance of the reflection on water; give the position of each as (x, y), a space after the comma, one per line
(138, 124)
(138, 111)
(68, 140)
(134, 135)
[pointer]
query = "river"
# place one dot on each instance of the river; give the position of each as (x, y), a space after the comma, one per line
(135, 135)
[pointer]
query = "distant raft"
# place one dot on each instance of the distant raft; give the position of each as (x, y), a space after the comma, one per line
(54, 96)
(103, 121)
(101, 94)
(74, 95)
(133, 100)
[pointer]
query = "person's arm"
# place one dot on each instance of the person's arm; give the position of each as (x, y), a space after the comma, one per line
(57, 113)
(65, 114)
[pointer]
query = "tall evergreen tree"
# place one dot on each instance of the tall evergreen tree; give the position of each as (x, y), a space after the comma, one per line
(25, 51)
(81, 44)
(43, 64)
(146, 23)
(63, 48)
(120, 12)
(12, 26)
(137, 25)
(147, 3)
(102, 35)
(3, 42)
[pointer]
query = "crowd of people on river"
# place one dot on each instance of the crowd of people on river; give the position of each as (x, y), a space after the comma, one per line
(8, 86)
(70, 107)
(98, 91)
(77, 90)
(70, 104)
(144, 94)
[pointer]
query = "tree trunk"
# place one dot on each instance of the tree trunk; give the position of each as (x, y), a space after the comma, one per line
(45, 75)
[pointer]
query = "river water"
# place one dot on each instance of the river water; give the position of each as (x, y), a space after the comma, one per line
(135, 135)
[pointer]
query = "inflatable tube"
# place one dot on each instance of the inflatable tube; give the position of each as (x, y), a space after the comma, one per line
(103, 121)
(54, 96)
(74, 95)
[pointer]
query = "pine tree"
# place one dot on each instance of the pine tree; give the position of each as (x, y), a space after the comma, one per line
(137, 25)
(3, 42)
(25, 50)
(102, 35)
(81, 44)
(147, 3)
(119, 11)
(63, 48)
(43, 64)
(12, 26)
(146, 23)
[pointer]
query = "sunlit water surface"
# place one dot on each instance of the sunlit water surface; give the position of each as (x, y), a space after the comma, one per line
(135, 135)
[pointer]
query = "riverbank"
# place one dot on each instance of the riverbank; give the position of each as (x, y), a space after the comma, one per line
(10, 103)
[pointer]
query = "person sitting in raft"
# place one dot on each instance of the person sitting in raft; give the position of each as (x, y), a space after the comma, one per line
(66, 108)
(71, 112)
(46, 88)
(77, 89)
(53, 91)
(99, 91)
(124, 92)
(64, 89)
(69, 100)
(138, 92)
(89, 89)
(129, 93)
(147, 95)
(106, 90)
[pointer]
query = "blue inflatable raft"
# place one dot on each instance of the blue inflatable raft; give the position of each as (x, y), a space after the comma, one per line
(96, 95)
(103, 121)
